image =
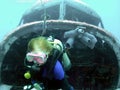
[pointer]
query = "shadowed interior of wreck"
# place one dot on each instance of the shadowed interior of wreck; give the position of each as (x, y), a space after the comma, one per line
(95, 69)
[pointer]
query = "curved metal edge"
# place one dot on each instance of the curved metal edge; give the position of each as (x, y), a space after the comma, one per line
(66, 25)
(75, 3)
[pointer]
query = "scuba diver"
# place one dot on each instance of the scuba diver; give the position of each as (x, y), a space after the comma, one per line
(46, 62)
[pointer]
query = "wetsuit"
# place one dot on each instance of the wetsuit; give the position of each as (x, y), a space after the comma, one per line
(58, 79)
(52, 74)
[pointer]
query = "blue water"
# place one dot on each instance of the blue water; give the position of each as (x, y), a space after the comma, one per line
(12, 11)
(109, 12)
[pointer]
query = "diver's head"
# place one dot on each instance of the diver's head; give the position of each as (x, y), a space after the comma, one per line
(39, 48)
(40, 43)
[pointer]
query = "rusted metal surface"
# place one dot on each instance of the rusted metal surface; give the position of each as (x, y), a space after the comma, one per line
(92, 69)
(92, 64)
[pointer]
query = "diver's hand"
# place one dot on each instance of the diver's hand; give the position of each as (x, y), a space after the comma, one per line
(37, 86)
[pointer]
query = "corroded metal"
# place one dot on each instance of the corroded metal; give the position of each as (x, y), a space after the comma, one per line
(84, 60)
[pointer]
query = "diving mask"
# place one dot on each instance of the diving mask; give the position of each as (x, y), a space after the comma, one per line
(37, 57)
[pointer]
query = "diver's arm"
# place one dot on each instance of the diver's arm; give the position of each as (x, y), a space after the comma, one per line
(65, 59)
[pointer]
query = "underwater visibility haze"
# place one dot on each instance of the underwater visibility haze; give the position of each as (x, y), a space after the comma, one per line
(89, 31)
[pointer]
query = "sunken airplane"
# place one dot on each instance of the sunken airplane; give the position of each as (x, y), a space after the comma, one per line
(93, 51)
